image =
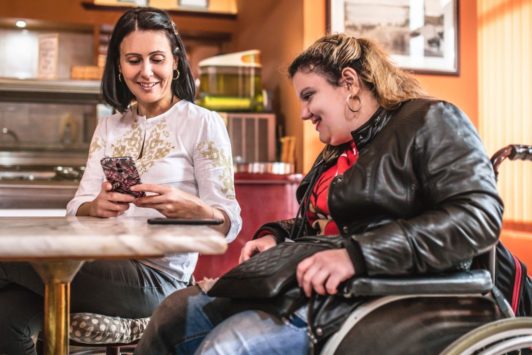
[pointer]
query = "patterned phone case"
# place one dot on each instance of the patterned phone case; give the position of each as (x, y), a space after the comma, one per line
(122, 174)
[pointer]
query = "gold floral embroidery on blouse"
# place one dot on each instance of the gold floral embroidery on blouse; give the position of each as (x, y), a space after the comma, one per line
(219, 158)
(130, 143)
(96, 144)
(156, 145)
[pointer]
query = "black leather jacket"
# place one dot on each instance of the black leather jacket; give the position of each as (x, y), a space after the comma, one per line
(421, 198)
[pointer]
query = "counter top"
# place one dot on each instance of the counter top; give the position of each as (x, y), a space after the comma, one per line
(267, 178)
(43, 194)
(22, 238)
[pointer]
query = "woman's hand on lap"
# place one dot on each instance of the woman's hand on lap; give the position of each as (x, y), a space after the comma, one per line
(256, 246)
(324, 271)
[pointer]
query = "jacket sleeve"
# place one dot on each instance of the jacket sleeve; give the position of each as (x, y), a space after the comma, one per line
(462, 215)
(279, 229)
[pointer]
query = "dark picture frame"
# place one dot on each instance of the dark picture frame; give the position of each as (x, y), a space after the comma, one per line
(420, 35)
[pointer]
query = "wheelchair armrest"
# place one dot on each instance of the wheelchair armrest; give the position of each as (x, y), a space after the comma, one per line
(461, 282)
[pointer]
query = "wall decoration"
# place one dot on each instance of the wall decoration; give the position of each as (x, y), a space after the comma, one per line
(420, 35)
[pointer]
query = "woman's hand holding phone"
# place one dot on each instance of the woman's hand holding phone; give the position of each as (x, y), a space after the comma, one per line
(171, 202)
(107, 203)
(175, 203)
(115, 195)
(122, 173)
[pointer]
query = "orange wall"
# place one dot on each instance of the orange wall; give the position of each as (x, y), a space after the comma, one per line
(313, 30)
(277, 29)
(520, 244)
(461, 90)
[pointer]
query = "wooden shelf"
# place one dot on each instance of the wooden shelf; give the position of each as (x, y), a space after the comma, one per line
(50, 91)
(89, 5)
(203, 26)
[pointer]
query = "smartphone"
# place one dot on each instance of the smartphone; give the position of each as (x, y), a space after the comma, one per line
(122, 173)
(197, 221)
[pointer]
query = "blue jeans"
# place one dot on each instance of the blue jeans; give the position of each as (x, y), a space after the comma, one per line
(190, 322)
(118, 288)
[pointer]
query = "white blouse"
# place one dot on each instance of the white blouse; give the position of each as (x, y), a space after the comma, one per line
(186, 147)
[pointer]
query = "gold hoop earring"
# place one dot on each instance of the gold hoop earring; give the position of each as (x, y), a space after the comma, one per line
(176, 74)
(354, 98)
(120, 77)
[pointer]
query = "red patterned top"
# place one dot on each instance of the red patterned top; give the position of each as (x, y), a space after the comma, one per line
(318, 213)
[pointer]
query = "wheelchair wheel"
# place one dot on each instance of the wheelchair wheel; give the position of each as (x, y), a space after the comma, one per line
(511, 335)
(410, 325)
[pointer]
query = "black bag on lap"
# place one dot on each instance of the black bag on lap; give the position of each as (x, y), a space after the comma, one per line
(267, 281)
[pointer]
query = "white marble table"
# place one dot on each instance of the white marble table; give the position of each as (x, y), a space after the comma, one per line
(58, 246)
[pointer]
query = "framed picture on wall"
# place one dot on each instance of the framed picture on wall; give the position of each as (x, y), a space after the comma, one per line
(420, 35)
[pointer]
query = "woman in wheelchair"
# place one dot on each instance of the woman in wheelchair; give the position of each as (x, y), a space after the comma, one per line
(403, 180)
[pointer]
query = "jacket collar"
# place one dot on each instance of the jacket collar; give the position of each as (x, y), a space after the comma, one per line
(362, 136)
(365, 134)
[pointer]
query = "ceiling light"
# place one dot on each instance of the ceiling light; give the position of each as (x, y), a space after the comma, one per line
(20, 24)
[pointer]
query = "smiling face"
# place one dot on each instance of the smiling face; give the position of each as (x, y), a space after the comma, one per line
(147, 65)
(324, 105)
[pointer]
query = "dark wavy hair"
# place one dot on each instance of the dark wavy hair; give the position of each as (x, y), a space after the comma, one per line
(115, 92)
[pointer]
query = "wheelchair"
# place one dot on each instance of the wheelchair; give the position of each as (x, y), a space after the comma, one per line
(453, 314)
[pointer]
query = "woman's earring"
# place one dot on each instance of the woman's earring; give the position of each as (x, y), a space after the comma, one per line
(176, 74)
(352, 97)
(119, 77)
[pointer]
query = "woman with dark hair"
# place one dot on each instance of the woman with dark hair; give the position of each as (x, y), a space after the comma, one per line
(183, 155)
(403, 179)
(118, 94)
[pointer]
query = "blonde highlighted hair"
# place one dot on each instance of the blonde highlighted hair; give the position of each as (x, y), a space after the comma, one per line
(332, 53)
